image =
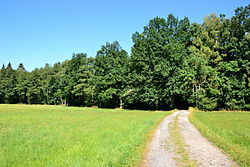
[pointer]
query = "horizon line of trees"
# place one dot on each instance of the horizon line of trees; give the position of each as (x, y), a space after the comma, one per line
(173, 64)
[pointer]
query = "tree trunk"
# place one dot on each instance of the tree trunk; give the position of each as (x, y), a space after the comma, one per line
(121, 104)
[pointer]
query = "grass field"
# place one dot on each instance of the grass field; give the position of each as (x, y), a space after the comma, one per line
(38, 135)
(228, 130)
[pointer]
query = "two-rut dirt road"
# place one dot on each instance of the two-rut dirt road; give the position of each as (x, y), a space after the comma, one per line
(161, 152)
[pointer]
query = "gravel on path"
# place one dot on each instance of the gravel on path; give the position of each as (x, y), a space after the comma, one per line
(200, 149)
(161, 151)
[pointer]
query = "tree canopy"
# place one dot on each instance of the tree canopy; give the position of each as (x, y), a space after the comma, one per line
(173, 64)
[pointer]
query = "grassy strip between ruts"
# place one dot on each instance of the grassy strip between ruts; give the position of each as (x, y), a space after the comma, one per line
(230, 131)
(182, 156)
(40, 135)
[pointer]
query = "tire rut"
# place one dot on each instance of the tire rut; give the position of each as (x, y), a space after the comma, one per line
(161, 152)
(200, 149)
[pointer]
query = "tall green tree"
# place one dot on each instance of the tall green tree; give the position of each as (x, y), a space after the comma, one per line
(75, 80)
(110, 75)
(157, 57)
(84, 87)
(173, 64)
(2, 83)
(22, 83)
(236, 65)
(54, 85)
(10, 81)
(35, 92)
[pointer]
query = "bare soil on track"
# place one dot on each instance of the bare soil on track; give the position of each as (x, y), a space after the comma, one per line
(161, 152)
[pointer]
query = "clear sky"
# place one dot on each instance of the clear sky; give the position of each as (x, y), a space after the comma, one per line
(36, 32)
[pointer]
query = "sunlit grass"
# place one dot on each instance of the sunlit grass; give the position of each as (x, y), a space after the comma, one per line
(38, 135)
(228, 130)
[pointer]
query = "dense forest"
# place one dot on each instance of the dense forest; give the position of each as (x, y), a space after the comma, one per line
(173, 64)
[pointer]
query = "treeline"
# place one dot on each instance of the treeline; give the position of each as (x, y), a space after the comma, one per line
(173, 64)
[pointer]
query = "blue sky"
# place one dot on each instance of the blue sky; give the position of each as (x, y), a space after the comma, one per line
(36, 32)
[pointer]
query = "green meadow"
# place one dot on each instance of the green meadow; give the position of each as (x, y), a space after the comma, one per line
(228, 130)
(41, 135)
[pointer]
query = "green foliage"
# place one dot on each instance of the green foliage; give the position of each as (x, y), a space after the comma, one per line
(158, 55)
(110, 75)
(8, 85)
(35, 91)
(173, 64)
(22, 83)
(76, 80)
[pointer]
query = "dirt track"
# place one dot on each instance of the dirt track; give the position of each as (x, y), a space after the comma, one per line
(162, 153)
